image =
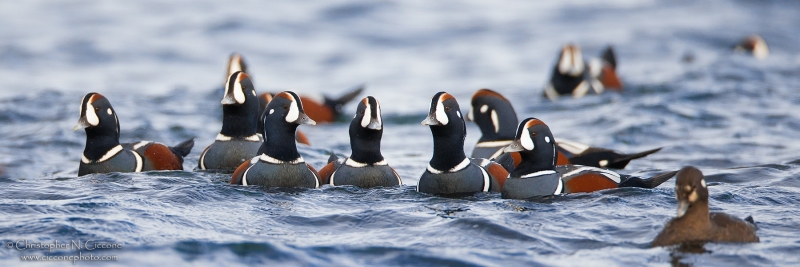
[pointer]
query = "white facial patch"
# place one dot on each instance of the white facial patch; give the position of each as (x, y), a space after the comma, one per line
(565, 62)
(238, 91)
(495, 121)
(703, 182)
(254, 93)
(547, 139)
(441, 116)
(693, 196)
(525, 140)
(458, 113)
(571, 62)
(91, 116)
(294, 112)
(271, 111)
(367, 116)
(484, 108)
(577, 62)
(378, 109)
(109, 111)
(233, 65)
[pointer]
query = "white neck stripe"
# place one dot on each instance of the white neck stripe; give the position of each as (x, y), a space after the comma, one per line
(560, 187)
(222, 137)
(581, 89)
(539, 173)
(486, 180)
(433, 170)
(460, 166)
(611, 175)
(139, 163)
(463, 165)
(355, 164)
(111, 153)
(268, 159)
(244, 175)
(140, 144)
(253, 138)
(203, 159)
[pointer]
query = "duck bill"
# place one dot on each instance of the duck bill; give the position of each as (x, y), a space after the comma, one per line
(303, 119)
(431, 120)
(82, 124)
(683, 206)
(374, 125)
(515, 146)
(469, 115)
(229, 99)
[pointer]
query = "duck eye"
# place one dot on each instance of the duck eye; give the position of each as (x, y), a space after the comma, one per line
(285, 107)
(446, 108)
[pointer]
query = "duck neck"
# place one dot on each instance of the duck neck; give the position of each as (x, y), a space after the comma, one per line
(366, 146)
(280, 143)
(532, 163)
(99, 141)
(507, 128)
(697, 214)
(239, 121)
(448, 149)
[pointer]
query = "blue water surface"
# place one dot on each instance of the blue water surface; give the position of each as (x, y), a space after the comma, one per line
(162, 64)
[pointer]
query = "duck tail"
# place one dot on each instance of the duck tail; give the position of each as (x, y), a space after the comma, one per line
(184, 148)
(336, 104)
(651, 182)
(610, 57)
(622, 160)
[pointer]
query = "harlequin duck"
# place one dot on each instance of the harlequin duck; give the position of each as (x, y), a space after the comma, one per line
(538, 175)
(328, 109)
(238, 140)
(497, 121)
(450, 171)
(755, 45)
(604, 70)
(366, 166)
(694, 224)
(103, 152)
(572, 76)
(278, 163)
(263, 100)
(236, 63)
